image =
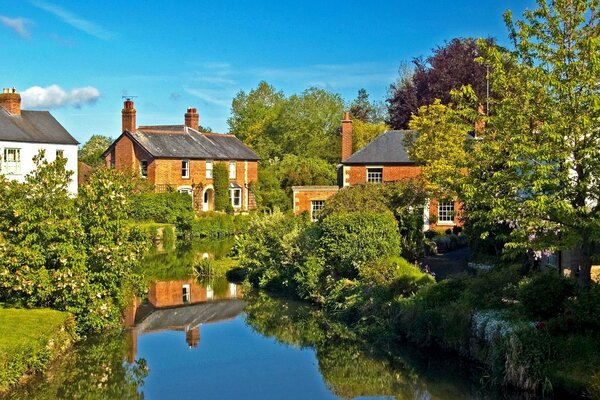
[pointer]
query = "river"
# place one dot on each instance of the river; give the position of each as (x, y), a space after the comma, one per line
(216, 340)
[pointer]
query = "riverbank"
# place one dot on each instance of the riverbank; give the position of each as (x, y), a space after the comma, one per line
(29, 340)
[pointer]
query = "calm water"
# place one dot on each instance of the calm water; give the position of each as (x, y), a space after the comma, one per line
(210, 340)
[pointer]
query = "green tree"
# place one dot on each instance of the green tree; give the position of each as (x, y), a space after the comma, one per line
(252, 118)
(535, 166)
(221, 185)
(309, 123)
(365, 132)
(91, 152)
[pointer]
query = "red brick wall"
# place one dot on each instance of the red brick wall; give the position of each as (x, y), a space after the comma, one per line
(433, 210)
(303, 198)
(170, 293)
(358, 174)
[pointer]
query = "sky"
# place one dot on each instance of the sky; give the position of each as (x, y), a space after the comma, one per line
(78, 59)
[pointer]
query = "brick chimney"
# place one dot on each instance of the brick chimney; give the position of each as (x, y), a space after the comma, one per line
(128, 116)
(192, 119)
(346, 136)
(10, 100)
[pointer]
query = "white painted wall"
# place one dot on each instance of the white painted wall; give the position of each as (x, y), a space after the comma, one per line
(29, 150)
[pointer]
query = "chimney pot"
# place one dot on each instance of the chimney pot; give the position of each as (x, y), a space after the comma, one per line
(192, 119)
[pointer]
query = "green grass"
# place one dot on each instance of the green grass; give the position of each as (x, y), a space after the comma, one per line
(29, 339)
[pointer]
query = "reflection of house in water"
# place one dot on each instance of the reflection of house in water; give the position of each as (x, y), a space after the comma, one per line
(183, 305)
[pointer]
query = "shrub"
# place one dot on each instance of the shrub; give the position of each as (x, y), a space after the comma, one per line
(544, 295)
(585, 309)
(309, 278)
(221, 185)
(444, 292)
(402, 277)
(349, 239)
(490, 289)
(219, 225)
(164, 207)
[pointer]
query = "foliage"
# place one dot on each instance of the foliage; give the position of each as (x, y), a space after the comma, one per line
(269, 250)
(401, 198)
(73, 254)
(349, 239)
(534, 167)
(448, 68)
(544, 295)
(91, 152)
(221, 185)
(361, 109)
(304, 124)
(586, 309)
(218, 225)
(163, 207)
(29, 340)
(401, 277)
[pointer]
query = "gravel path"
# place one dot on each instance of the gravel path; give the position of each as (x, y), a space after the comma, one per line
(448, 264)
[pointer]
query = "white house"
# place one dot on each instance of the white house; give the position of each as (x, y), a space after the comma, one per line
(24, 133)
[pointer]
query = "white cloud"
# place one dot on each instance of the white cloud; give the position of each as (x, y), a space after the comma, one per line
(55, 97)
(19, 25)
(217, 97)
(75, 21)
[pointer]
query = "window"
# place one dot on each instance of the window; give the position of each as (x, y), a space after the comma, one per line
(185, 168)
(235, 195)
(144, 168)
(209, 169)
(185, 291)
(375, 175)
(315, 208)
(186, 191)
(232, 170)
(446, 213)
(60, 153)
(12, 161)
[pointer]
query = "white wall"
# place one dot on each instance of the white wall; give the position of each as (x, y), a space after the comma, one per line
(29, 150)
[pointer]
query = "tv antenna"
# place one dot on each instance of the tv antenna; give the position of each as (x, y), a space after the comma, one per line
(128, 97)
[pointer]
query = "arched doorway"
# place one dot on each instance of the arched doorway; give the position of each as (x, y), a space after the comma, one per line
(208, 199)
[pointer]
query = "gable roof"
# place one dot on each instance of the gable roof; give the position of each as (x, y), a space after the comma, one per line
(33, 127)
(387, 148)
(179, 141)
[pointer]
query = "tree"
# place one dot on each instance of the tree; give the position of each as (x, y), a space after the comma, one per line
(91, 152)
(535, 166)
(252, 118)
(364, 132)
(449, 67)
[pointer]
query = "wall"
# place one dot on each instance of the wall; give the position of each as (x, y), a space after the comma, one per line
(303, 195)
(30, 150)
(357, 174)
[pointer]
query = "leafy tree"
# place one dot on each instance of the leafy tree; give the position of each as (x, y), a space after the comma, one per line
(91, 152)
(308, 125)
(221, 185)
(252, 118)
(366, 111)
(535, 166)
(449, 67)
(365, 132)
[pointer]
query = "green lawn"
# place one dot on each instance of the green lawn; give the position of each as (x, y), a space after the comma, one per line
(29, 339)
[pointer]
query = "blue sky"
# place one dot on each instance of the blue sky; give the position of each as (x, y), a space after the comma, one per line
(77, 58)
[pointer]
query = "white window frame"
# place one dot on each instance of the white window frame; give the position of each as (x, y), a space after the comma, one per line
(315, 207)
(186, 190)
(185, 169)
(374, 170)
(233, 198)
(144, 168)
(11, 165)
(209, 169)
(445, 213)
(232, 170)
(186, 293)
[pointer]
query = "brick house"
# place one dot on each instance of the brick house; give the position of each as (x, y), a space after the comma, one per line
(182, 158)
(24, 133)
(384, 159)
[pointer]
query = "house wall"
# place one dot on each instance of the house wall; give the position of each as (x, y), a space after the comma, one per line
(357, 174)
(170, 293)
(303, 195)
(30, 150)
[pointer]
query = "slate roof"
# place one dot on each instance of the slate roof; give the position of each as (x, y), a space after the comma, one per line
(33, 127)
(387, 148)
(179, 141)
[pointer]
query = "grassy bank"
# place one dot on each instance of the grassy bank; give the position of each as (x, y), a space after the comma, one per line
(29, 340)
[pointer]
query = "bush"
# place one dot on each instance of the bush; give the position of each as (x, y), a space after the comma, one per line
(585, 309)
(349, 239)
(544, 295)
(490, 289)
(219, 225)
(442, 293)
(400, 276)
(164, 207)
